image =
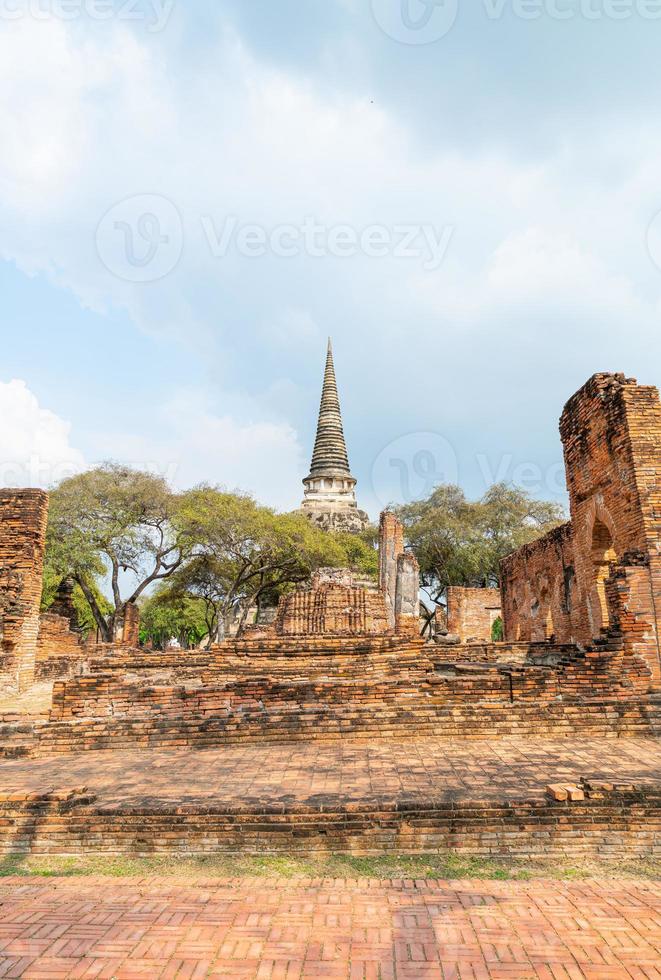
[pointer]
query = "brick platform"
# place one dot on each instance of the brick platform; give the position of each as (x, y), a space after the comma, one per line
(271, 712)
(481, 798)
(312, 929)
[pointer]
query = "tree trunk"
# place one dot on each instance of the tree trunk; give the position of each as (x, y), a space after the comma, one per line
(104, 628)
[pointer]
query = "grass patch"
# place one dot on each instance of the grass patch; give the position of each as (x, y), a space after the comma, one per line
(424, 866)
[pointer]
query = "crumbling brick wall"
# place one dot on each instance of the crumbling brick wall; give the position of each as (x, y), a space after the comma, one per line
(537, 589)
(472, 612)
(337, 604)
(59, 650)
(599, 576)
(327, 688)
(23, 518)
(328, 608)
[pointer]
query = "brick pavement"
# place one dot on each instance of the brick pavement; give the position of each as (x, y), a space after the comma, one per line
(349, 930)
(303, 771)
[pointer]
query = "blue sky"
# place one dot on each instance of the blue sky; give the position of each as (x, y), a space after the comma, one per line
(194, 196)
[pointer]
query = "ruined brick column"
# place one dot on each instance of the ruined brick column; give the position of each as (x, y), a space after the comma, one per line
(23, 519)
(131, 628)
(407, 597)
(391, 546)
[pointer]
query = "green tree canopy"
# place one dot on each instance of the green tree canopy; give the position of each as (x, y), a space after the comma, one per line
(209, 555)
(461, 542)
(117, 522)
(164, 617)
(246, 555)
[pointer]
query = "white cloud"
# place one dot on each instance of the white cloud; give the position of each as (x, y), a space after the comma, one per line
(89, 118)
(535, 264)
(34, 442)
(198, 443)
(547, 260)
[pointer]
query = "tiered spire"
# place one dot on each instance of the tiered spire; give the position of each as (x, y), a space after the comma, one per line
(330, 450)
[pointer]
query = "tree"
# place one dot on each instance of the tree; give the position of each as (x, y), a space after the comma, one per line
(247, 555)
(461, 542)
(117, 522)
(498, 630)
(361, 552)
(163, 617)
(84, 619)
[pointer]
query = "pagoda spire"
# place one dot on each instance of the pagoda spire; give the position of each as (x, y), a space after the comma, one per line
(330, 449)
(330, 489)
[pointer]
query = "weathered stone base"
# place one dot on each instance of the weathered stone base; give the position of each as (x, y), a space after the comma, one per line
(611, 822)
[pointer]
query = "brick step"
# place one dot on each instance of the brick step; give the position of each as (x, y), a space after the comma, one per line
(613, 823)
(19, 739)
(318, 721)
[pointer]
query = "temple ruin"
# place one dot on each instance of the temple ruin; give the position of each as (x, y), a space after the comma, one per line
(597, 579)
(367, 719)
(330, 489)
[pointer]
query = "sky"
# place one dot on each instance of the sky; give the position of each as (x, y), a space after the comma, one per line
(194, 196)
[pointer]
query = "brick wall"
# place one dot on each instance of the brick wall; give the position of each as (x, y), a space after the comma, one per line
(599, 577)
(329, 693)
(23, 518)
(471, 613)
(538, 590)
(196, 720)
(334, 656)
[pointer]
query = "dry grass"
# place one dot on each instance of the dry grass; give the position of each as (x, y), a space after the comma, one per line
(444, 866)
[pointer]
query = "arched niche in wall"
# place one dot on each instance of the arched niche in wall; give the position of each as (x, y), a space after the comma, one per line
(602, 553)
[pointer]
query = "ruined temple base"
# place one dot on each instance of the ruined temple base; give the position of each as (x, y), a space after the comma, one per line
(483, 798)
